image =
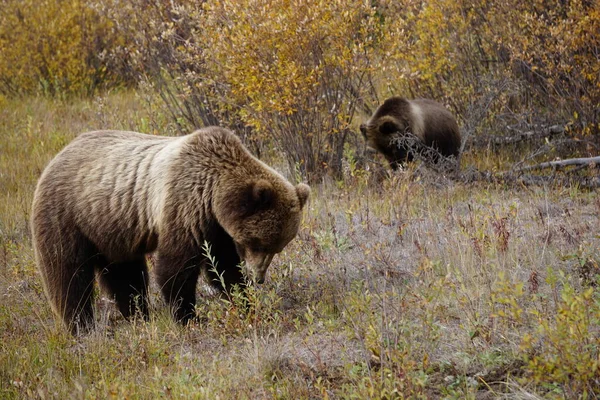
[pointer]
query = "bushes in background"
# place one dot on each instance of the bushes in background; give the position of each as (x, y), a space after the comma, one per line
(59, 47)
(301, 73)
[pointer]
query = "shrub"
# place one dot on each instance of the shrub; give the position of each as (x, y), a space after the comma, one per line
(530, 58)
(561, 352)
(280, 71)
(302, 74)
(294, 69)
(555, 45)
(57, 47)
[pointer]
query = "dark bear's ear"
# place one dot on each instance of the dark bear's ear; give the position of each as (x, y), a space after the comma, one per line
(261, 195)
(363, 130)
(388, 127)
(303, 191)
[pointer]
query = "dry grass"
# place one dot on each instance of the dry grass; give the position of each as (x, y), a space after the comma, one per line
(415, 287)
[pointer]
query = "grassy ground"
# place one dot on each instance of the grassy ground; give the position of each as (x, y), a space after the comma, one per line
(415, 287)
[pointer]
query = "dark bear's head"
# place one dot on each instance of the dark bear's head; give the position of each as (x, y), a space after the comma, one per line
(386, 129)
(262, 216)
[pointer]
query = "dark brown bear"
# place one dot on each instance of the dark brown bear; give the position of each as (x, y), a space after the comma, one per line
(400, 128)
(110, 198)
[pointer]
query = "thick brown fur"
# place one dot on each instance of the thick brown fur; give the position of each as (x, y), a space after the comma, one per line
(109, 198)
(399, 128)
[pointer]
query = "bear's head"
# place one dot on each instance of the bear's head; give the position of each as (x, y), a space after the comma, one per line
(386, 129)
(262, 215)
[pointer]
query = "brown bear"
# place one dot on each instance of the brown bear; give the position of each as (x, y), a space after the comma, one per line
(110, 197)
(401, 128)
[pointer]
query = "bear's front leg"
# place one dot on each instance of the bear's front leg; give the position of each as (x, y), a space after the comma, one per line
(226, 273)
(177, 276)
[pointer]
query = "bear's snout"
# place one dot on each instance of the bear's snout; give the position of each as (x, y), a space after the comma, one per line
(259, 263)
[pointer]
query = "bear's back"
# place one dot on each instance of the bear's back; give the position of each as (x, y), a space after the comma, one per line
(107, 184)
(438, 126)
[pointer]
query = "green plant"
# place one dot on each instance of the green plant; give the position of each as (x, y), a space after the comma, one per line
(561, 350)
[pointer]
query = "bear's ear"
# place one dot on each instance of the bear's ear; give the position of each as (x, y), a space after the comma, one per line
(388, 127)
(303, 191)
(363, 130)
(261, 195)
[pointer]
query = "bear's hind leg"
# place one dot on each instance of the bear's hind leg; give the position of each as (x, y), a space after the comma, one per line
(67, 268)
(127, 282)
(78, 311)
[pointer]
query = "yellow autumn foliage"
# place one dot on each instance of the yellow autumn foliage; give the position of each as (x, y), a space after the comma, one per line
(293, 69)
(56, 47)
(302, 73)
(459, 49)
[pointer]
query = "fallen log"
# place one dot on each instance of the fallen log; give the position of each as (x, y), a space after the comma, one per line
(512, 178)
(562, 163)
(518, 136)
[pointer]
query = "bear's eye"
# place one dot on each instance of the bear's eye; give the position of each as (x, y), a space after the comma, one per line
(255, 245)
